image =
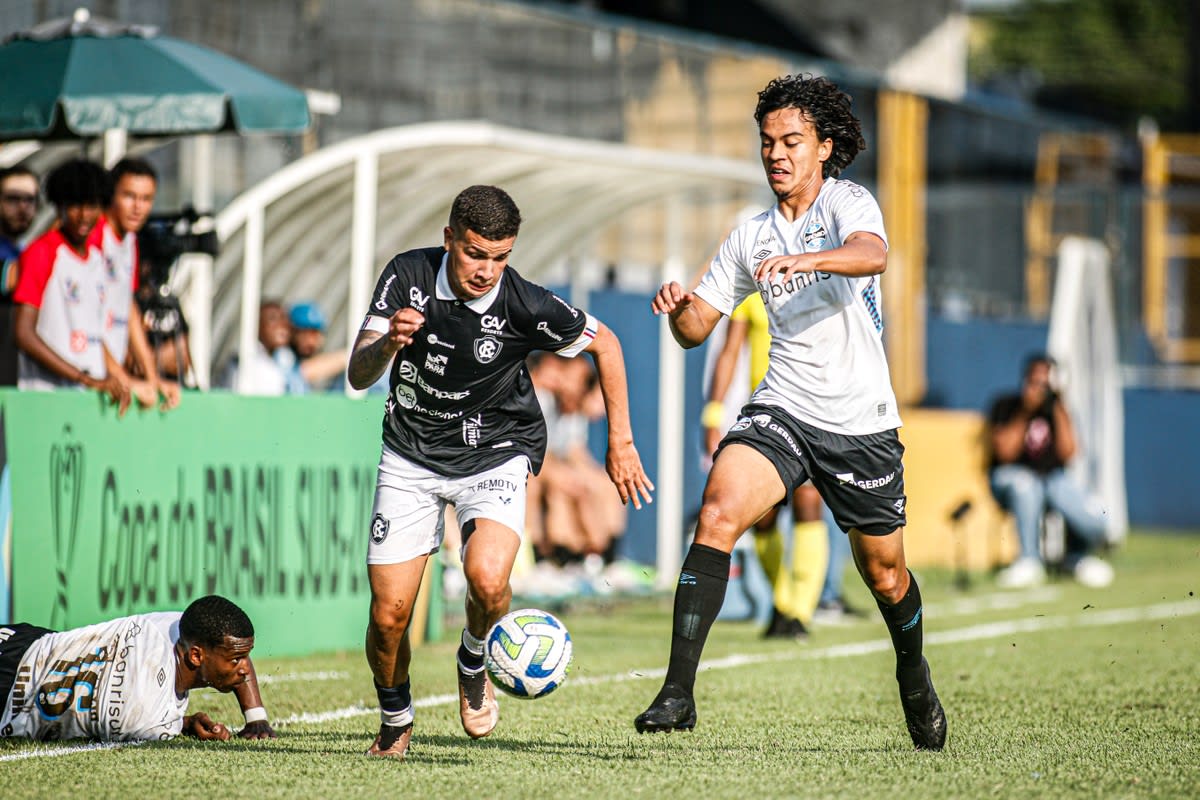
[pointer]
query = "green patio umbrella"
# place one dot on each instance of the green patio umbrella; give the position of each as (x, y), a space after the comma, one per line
(74, 78)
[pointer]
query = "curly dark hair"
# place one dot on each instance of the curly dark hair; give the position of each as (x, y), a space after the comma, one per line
(210, 619)
(78, 182)
(829, 109)
(487, 210)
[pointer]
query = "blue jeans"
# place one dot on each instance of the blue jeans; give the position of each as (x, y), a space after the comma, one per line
(1028, 495)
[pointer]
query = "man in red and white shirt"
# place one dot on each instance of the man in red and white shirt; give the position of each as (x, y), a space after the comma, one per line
(63, 313)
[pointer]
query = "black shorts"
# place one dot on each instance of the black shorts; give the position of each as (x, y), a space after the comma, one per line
(860, 478)
(15, 639)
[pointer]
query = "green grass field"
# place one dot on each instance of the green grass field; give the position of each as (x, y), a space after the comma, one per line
(1061, 691)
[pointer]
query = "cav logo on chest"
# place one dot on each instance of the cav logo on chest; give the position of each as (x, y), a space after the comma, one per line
(492, 324)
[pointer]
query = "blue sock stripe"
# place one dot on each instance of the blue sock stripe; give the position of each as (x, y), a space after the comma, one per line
(912, 622)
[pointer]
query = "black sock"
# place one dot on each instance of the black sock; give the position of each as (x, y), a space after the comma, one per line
(904, 624)
(394, 698)
(471, 662)
(698, 599)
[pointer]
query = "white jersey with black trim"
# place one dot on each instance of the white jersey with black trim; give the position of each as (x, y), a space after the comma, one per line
(113, 681)
(460, 399)
(827, 364)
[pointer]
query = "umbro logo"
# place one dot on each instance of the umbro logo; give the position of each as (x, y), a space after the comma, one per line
(761, 254)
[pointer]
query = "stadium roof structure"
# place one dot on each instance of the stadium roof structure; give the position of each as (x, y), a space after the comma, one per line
(323, 226)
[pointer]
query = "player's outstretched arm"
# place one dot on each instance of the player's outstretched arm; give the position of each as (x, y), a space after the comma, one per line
(691, 318)
(248, 697)
(861, 255)
(373, 351)
(623, 462)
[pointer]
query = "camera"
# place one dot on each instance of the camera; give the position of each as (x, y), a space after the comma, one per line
(166, 237)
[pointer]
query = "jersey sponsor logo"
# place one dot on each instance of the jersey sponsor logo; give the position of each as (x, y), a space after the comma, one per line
(899, 506)
(854, 189)
(408, 371)
(787, 437)
(544, 327)
(71, 290)
(379, 528)
(433, 339)
(407, 399)
(870, 483)
(797, 283)
(381, 303)
(768, 240)
(493, 324)
(436, 364)
(574, 311)
(761, 420)
(79, 341)
(487, 348)
(815, 236)
(439, 393)
(417, 299)
(495, 485)
(741, 424)
(760, 256)
(405, 396)
(472, 428)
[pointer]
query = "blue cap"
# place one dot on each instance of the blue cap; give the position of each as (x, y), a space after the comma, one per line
(307, 316)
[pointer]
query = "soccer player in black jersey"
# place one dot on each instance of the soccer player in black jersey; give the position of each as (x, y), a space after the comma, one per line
(454, 325)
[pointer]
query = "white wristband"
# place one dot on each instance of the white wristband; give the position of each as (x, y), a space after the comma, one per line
(256, 714)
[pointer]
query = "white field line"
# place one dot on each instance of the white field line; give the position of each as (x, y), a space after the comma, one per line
(991, 630)
(68, 750)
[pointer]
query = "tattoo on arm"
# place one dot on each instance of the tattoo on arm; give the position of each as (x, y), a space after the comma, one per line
(370, 358)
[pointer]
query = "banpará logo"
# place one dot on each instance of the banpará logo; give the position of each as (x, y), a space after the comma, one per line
(379, 528)
(487, 348)
(381, 304)
(544, 327)
(417, 299)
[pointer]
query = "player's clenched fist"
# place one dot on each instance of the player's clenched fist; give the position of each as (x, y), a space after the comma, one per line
(403, 325)
(671, 297)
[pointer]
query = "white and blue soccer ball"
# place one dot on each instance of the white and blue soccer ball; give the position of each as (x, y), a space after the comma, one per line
(527, 653)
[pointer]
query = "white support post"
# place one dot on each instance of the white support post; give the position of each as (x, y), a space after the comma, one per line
(116, 141)
(669, 480)
(199, 267)
(362, 245)
(252, 260)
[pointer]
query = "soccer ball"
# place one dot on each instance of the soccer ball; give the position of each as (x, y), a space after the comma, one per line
(527, 653)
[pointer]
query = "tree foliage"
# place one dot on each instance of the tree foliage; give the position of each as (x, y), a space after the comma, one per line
(1113, 59)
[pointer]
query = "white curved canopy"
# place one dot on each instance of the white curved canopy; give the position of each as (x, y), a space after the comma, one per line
(323, 227)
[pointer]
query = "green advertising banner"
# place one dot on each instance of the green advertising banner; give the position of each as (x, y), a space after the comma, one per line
(264, 500)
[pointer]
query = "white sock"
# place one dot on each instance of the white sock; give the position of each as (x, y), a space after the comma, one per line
(399, 718)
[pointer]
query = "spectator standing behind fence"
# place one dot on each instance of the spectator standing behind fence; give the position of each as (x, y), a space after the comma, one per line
(271, 361)
(134, 185)
(59, 321)
(18, 204)
(1033, 440)
(128, 679)
(315, 368)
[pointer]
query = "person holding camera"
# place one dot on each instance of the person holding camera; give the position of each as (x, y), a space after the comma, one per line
(1032, 441)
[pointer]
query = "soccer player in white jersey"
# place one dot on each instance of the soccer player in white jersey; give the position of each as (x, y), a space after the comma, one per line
(825, 410)
(128, 679)
(453, 325)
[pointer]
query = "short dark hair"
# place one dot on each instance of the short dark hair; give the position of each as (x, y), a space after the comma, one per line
(78, 182)
(210, 619)
(487, 210)
(829, 109)
(1036, 359)
(14, 171)
(132, 166)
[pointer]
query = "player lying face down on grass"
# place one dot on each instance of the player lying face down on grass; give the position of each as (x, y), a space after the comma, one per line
(462, 426)
(128, 679)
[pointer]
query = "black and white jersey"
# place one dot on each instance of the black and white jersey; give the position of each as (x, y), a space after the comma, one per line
(460, 400)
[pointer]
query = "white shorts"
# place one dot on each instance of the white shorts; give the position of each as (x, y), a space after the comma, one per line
(407, 519)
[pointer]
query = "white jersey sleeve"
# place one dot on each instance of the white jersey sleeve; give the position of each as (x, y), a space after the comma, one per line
(730, 278)
(113, 681)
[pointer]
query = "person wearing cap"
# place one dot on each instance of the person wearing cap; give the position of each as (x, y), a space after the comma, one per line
(314, 368)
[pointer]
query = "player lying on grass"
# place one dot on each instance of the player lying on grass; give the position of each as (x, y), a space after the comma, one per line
(128, 679)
